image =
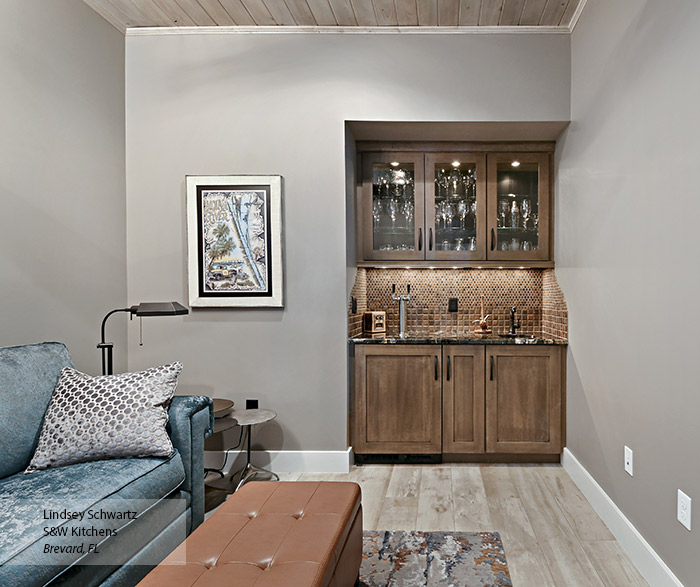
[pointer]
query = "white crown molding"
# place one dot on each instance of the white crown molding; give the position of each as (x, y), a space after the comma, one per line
(576, 16)
(644, 557)
(416, 30)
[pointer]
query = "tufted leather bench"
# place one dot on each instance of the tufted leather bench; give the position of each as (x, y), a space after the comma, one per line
(286, 534)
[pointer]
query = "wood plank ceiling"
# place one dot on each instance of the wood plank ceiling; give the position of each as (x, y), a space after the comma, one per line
(329, 14)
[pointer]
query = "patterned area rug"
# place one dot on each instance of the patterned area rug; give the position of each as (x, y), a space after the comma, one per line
(431, 559)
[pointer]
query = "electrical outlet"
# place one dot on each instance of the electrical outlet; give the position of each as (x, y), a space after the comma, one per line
(452, 305)
(684, 511)
(629, 461)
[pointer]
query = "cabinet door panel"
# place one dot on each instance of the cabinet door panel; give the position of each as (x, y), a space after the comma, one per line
(523, 400)
(392, 217)
(463, 399)
(518, 206)
(455, 206)
(397, 399)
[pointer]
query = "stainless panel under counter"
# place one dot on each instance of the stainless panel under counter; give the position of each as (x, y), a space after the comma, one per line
(440, 338)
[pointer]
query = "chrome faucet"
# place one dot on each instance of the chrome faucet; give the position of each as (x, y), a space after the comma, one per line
(402, 307)
(513, 325)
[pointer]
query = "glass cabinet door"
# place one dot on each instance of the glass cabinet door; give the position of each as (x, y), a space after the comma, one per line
(393, 206)
(455, 206)
(518, 206)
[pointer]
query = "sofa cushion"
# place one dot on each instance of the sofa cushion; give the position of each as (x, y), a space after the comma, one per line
(106, 417)
(28, 376)
(94, 486)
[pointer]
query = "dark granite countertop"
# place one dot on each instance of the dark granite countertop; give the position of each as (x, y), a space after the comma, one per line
(461, 338)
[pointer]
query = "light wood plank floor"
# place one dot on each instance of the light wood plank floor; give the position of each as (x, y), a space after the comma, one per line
(551, 534)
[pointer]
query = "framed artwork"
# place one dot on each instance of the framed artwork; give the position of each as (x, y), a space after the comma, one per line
(234, 241)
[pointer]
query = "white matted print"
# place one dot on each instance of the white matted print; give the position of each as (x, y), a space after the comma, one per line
(234, 241)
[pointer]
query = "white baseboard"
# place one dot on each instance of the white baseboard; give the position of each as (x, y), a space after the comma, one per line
(286, 461)
(650, 564)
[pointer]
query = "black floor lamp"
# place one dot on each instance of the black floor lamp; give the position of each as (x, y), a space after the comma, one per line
(143, 309)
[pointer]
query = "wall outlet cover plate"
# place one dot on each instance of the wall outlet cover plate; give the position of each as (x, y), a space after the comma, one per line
(684, 509)
(629, 461)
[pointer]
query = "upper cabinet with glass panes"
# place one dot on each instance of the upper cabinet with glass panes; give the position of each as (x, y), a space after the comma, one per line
(470, 207)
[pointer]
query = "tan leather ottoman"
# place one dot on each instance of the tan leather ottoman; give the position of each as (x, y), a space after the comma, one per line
(285, 534)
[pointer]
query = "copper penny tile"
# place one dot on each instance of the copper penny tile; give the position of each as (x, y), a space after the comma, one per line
(534, 292)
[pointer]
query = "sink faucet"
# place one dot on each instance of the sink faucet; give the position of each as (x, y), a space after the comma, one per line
(402, 307)
(513, 325)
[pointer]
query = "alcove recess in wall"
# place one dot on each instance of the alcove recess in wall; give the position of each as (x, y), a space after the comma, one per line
(535, 292)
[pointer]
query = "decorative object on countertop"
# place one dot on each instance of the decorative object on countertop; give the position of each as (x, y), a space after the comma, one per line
(401, 559)
(483, 327)
(402, 299)
(234, 241)
(143, 309)
(374, 322)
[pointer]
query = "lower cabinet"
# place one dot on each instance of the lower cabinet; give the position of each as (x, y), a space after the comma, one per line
(397, 400)
(458, 399)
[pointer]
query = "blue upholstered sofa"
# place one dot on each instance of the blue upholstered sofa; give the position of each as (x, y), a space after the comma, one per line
(164, 498)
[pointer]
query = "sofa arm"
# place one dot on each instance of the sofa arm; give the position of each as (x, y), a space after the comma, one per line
(191, 420)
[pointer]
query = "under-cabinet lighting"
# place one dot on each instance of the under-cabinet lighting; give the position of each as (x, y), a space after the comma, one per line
(394, 163)
(431, 267)
(479, 267)
(456, 164)
(500, 267)
(515, 163)
(512, 195)
(522, 267)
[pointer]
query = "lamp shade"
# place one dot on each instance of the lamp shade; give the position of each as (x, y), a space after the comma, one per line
(159, 309)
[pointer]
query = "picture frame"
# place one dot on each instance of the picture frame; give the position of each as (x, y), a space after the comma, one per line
(234, 241)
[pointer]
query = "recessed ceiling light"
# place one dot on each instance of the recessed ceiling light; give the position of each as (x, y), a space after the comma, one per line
(515, 163)
(394, 163)
(456, 164)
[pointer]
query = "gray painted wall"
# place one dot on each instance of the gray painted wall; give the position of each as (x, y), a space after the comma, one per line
(217, 104)
(627, 261)
(62, 177)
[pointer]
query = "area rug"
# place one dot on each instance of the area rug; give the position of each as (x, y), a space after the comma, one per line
(432, 559)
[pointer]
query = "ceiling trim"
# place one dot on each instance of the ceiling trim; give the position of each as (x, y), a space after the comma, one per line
(355, 30)
(577, 15)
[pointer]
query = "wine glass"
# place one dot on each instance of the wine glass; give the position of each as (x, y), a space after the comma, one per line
(449, 215)
(503, 209)
(393, 209)
(376, 210)
(514, 215)
(407, 210)
(526, 209)
(462, 211)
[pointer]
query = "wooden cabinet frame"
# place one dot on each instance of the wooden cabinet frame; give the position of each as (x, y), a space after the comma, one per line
(479, 161)
(487, 156)
(367, 221)
(523, 399)
(405, 418)
(479, 402)
(544, 206)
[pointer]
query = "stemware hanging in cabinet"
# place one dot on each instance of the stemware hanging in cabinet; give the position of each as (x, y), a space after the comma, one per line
(457, 206)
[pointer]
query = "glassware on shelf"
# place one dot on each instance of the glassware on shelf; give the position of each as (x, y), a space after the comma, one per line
(446, 245)
(463, 212)
(526, 210)
(527, 246)
(393, 209)
(376, 210)
(449, 215)
(471, 243)
(459, 244)
(514, 215)
(503, 209)
(515, 244)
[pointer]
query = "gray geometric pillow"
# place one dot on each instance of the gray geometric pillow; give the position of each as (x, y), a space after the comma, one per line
(106, 417)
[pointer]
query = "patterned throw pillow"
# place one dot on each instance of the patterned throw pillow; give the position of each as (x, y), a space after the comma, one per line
(106, 417)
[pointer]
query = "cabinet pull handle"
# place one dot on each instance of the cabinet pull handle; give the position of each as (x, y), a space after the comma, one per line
(420, 239)
(430, 240)
(491, 368)
(493, 238)
(448, 367)
(436, 368)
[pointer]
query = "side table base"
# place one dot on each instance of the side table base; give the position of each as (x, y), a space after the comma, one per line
(250, 471)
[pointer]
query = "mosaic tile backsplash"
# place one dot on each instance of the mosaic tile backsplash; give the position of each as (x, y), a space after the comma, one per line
(534, 292)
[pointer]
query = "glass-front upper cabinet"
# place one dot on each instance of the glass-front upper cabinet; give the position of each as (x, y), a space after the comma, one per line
(455, 206)
(518, 206)
(393, 206)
